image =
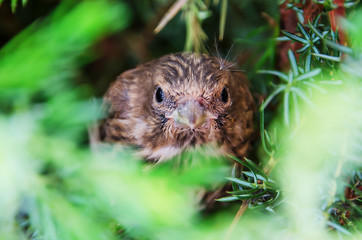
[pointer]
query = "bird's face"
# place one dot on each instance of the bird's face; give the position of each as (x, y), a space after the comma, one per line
(191, 101)
(177, 102)
(188, 104)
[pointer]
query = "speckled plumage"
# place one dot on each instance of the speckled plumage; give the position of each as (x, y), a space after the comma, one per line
(188, 81)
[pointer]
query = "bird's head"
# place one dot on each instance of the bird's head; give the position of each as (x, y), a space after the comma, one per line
(194, 99)
(189, 95)
(180, 101)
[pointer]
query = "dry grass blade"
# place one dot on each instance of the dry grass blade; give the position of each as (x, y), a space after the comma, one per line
(175, 8)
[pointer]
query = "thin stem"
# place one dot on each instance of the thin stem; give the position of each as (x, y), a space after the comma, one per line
(244, 206)
(237, 217)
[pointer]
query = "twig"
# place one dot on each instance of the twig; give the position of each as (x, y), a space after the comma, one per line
(237, 217)
(176, 7)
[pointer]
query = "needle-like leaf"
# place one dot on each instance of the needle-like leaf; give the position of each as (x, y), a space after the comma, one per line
(227, 199)
(310, 74)
(294, 37)
(296, 107)
(260, 177)
(286, 107)
(314, 29)
(302, 95)
(308, 62)
(305, 34)
(241, 182)
(281, 75)
(338, 47)
(271, 96)
(293, 62)
(328, 57)
(303, 48)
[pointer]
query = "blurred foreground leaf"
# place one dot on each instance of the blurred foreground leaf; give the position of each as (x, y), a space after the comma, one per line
(45, 55)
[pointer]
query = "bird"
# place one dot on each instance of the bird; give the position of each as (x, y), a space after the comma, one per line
(179, 102)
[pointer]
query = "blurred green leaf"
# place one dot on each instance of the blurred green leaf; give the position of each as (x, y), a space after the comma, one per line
(310, 74)
(46, 52)
(294, 37)
(335, 59)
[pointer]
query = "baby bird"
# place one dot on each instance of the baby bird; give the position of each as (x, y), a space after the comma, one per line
(178, 102)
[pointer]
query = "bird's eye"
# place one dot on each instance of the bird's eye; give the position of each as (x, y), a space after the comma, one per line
(160, 96)
(224, 95)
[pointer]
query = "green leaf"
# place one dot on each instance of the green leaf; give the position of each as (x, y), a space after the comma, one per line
(314, 29)
(328, 57)
(293, 62)
(338, 47)
(294, 37)
(305, 34)
(263, 133)
(302, 95)
(270, 184)
(316, 20)
(303, 48)
(254, 168)
(300, 15)
(267, 136)
(290, 76)
(338, 227)
(241, 182)
(233, 171)
(227, 199)
(274, 201)
(272, 95)
(243, 192)
(245, 163)
(316, 39)
(71, 35)
(286, 107)
(258, 176)
(310, 74)
(296, 107)
(251, 196)
(13, 5)
(282, 39)
(351, 4)
(281, 75)
(315, 50)
(308, 62)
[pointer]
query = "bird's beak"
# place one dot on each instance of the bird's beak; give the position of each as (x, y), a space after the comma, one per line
(191, 114)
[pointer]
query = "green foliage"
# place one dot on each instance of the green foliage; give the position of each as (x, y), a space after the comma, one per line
(317, 45)
(254, 186)
(292, 87)
(14, 4)
(319, 50)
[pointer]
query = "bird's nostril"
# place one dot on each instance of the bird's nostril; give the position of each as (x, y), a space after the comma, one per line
(202, 102)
